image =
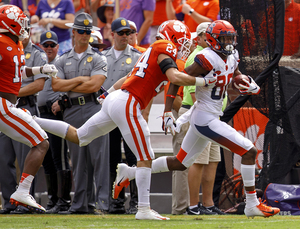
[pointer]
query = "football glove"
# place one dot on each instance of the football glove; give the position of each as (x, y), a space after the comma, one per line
(210, 79)
(101, 97)
(251, 88)
(49, 69)
(169, 123)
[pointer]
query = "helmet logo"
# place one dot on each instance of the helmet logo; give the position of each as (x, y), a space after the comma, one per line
(179, 26)
(12, 13)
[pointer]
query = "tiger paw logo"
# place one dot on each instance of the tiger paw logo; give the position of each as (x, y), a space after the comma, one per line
(179, 26)
(12, 13)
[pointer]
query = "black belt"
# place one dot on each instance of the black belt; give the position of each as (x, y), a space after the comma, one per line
(44, 109)
(23, 101)
(186, 106)
(81, 100)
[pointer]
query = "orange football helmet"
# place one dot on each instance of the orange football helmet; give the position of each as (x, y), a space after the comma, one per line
(179, 34)
(221, 37)
(13, 20)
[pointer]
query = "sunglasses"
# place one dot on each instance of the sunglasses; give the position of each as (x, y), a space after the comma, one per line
(132, 32)
(81, 31)
(121, 33)
(52, 45)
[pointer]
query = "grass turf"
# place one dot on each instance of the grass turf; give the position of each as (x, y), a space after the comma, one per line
(128, 221)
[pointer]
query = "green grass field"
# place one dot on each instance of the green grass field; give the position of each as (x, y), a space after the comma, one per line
(128, 221)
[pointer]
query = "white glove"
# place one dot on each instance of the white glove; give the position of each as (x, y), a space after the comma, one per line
(210, 79)
(169, 123)
(251, 89)
(50, 69)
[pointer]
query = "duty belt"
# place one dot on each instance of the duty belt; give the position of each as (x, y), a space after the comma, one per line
(81, 100)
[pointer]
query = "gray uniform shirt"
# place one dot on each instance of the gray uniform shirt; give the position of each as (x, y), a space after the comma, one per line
(34, 56)
(119, 67)
(91, 63)
(47, 93)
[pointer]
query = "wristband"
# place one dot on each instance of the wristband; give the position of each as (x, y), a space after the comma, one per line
(172, 96)
(111, 89)
(191, 11)
(200, 81)
(36, 70)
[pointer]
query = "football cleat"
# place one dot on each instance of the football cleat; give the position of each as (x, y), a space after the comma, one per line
(261, 210)
(145, 213)
(26, 200)
(121, 180)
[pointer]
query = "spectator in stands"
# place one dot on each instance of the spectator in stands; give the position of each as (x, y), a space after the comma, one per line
(160, 15)
(141, 12)
(106, 15)
(82, 6)
(132, 39)
(195, 12)
(53, 15)
(29, 7)
(291, 29)
(96, 40)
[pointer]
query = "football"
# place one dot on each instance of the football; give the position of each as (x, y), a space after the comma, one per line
(239, 80)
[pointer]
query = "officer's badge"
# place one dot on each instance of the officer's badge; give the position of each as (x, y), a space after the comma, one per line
(28, 55)
(89, 59)
(128, 60)
(91, 40)
(123, 22)
(48, 35)
(86, 22)
(44, 57)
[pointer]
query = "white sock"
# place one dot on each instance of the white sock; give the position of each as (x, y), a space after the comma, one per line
(251, 199)
(25, 183)
(56, 127)
(160, 165)
(143, 180)
(248, 176)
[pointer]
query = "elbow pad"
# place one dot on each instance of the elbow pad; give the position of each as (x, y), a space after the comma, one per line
(166, 64)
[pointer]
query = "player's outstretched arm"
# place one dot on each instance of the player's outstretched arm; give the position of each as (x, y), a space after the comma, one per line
(48, 69)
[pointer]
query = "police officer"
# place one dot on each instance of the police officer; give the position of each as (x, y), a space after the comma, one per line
(121, 58)
(10, 149)
(81, 73)
(56, 163)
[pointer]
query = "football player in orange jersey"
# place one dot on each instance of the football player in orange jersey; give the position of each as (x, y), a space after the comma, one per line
(15, 122)
(122, 107)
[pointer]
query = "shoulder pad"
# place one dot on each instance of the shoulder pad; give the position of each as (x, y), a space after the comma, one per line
(66, 52)
(38, 48)
(97, 51)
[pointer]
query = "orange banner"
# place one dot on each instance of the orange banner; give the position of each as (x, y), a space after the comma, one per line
(250, 123)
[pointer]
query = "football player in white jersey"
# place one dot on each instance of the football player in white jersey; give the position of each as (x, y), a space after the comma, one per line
(220, 58)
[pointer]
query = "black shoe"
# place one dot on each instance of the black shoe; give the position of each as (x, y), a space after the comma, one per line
(70, 212)
(21, 210)
(6, 211)
(93, 211)
(60, 206)
(216, 210)
(205, 211)
(132, 210)
(193, 211)
(116, 207)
